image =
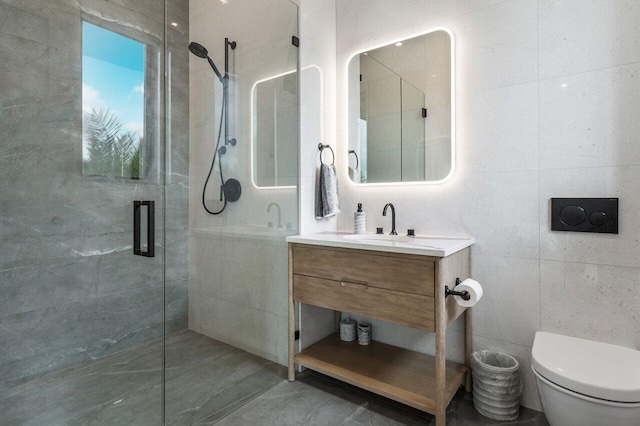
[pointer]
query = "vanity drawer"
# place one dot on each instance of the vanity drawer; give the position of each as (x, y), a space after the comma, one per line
(411, 274)
(402, 308)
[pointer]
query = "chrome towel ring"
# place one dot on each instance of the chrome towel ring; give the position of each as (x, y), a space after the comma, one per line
(321, 147)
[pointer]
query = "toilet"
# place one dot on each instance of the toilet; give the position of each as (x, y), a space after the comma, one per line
(585, 383)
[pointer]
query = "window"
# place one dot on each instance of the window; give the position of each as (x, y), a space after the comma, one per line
(113, 103)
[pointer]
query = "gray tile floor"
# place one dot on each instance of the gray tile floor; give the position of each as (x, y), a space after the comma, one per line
(208, 382)
(314, 399)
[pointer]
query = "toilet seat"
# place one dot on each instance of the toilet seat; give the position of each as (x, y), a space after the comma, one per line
(586, 398)
(597, 370)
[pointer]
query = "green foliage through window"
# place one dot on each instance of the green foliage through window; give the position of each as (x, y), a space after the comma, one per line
(110, 151)
(113, 103)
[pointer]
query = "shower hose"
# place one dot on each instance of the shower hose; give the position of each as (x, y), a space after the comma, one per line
(213, 163)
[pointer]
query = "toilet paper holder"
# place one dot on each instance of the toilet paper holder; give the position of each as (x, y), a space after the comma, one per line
(463, 294)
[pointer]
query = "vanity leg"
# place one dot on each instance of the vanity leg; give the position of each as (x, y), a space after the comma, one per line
(292, 342)
(441, 373)
(441, 383)
(292, 320)
(468, 347)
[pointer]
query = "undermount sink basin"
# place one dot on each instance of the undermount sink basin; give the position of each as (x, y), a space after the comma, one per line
(420, 244)
(380, 237)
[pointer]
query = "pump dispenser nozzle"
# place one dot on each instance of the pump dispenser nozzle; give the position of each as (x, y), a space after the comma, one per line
(359, 220)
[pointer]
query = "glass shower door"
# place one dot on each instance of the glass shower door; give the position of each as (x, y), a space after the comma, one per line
(82, 164)
(236, 343)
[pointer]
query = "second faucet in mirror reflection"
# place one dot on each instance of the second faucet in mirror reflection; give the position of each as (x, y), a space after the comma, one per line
(279, 214)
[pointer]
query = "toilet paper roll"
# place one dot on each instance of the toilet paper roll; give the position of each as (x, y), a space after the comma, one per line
(475, 291)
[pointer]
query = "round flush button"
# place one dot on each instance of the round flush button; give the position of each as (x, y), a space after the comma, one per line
(598, 218)
(573, 215)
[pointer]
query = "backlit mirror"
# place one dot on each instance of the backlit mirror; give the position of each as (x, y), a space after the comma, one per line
(275, 131)
(401, 114)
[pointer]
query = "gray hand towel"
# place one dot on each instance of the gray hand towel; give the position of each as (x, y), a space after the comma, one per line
(327, 202)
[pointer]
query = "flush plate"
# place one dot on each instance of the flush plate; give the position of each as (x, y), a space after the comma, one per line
(585, 215)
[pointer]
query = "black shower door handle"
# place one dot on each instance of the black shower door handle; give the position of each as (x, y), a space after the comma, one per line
(151, 215)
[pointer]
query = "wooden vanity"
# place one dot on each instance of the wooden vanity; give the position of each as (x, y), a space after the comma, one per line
(400, 288)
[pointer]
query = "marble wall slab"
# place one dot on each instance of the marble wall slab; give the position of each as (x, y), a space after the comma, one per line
(72, 289)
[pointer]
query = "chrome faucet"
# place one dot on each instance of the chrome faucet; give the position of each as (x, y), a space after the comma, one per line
(393, 218)
(279, 214)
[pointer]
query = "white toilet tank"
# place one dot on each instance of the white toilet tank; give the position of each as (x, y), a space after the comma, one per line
(585, 383)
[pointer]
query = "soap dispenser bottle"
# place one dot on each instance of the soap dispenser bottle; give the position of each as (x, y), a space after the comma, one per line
(359, 221)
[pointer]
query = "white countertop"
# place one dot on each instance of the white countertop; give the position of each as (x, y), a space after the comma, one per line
(421, 244)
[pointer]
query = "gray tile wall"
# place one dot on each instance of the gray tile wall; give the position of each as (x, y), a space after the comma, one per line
(71, 288)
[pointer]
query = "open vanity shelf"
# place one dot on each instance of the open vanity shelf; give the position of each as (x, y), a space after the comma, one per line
(402, 288)
(404, 376)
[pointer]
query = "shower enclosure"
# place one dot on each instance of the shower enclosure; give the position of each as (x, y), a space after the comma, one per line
(114, 279)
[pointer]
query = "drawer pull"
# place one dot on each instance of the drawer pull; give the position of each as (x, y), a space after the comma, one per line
(362, 285)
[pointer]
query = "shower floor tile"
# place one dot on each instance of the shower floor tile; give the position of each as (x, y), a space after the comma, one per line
(205, 379)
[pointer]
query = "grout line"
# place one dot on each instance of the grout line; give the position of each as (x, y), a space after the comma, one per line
(539, 177)
(538, 80)
(239, 305)
(614, 166)
(490, 172)
(470, 12)
(488, 89)
(242, 403)
(626, 64)
(506, 257)
(541, 169)
(589, 263)
(528, 347)
(545, 259)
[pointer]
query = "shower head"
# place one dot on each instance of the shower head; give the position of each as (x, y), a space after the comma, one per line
(198, 50)
(201, 52)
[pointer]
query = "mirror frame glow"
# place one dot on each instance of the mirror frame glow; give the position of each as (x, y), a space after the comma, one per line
(453, 107)
(253, 129)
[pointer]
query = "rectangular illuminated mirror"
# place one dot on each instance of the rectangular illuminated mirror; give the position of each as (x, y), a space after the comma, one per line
(401, 111)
